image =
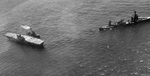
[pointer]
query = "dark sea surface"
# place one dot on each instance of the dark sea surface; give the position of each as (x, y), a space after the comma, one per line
(74, 45)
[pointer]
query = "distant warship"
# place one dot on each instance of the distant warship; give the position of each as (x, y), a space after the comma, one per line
(31, 38)
(134, 20)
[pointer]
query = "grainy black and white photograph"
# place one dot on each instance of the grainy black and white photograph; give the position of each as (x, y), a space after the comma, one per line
(74, 37)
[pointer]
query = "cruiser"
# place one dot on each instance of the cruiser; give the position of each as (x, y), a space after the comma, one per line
(134, 20)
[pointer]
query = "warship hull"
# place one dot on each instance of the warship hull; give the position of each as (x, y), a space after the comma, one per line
(28, 40)
(141, 20)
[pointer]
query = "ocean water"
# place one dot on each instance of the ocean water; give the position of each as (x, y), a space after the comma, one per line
(74, 45)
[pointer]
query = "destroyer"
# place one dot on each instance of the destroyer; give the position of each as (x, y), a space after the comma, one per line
(134, 20)
(31, 32)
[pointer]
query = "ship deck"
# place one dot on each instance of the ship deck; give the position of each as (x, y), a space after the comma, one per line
(28, 39)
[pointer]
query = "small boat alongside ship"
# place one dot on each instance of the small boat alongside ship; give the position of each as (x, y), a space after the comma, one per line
(31, 32)
(31, 40)
(134, 20)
